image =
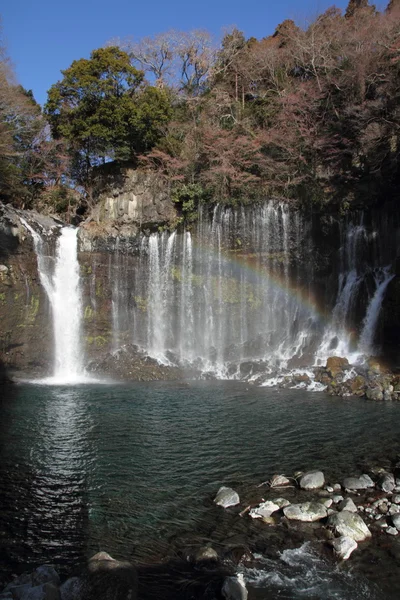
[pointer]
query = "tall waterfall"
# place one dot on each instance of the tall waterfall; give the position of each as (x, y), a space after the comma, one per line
(61, 282)
(66, 304)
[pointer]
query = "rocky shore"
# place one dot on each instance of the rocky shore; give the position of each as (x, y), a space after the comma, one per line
(356, 519)
(370, 380)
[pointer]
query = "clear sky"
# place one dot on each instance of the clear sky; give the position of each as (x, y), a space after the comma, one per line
(45, 36)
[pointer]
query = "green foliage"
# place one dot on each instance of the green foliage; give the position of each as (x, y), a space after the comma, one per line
(105, 111)
(187, 197)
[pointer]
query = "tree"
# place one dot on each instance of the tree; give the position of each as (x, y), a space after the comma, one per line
(104, 109)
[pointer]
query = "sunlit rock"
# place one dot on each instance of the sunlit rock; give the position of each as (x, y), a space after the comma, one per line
(343, 546)
(307, 512)
(226, 497)
(349, 524)
(312, 480)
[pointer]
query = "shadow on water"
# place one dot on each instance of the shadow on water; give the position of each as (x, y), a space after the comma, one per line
(43, 492)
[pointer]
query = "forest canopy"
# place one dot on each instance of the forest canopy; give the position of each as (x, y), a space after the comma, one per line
(310, 113)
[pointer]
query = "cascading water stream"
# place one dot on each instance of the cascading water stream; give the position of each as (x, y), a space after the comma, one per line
(62, 285)
(67, 311)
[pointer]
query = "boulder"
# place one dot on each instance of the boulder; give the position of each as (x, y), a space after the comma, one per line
(350, 525)
(343, 546)
(226, 497)
(306, 511)
(72, 589)
(347, 504)
(312, 480)
(109, 579)
(335, 365)
(374, 393)
(45, 591)
(265, 509)
(45, 574)
(358, 483)
(234, 588)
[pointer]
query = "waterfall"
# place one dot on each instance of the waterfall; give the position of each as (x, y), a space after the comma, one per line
(60, 280)
(227, 298)
(366, 343)
(359, 254)
(67, 311)
(238, 288)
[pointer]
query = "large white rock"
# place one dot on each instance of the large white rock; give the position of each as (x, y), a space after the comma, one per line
(344, 546)
(312, 480)
(234, 588)
(358, 483)
(226, 497)
(349, 524)
(306, 511)
(265, 509)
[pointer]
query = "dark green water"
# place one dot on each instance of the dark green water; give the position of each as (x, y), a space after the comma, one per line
(118, 467)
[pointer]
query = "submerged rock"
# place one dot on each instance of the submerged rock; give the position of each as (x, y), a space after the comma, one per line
(350, 525)
(312, 480)
(343, 546)
(307, 512)
(205, 554)
(226, 497)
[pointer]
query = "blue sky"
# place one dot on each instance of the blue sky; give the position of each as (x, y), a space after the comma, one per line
(45, 36)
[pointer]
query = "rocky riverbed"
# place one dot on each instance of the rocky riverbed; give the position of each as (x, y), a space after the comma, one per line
(352, 524)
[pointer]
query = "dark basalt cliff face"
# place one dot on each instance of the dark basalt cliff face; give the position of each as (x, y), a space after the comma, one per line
(118, 297)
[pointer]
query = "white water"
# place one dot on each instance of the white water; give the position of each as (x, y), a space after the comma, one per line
(236, 291)
(66, 303)
(62, 285)
(225, 295)
(366, 343)
(303, 573)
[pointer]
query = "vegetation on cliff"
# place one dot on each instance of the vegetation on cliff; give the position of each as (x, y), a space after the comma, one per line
(309, 113)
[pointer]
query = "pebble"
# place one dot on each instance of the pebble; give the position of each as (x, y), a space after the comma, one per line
(329, 489)
(392, 531)
(336, 499)
(381, 522)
